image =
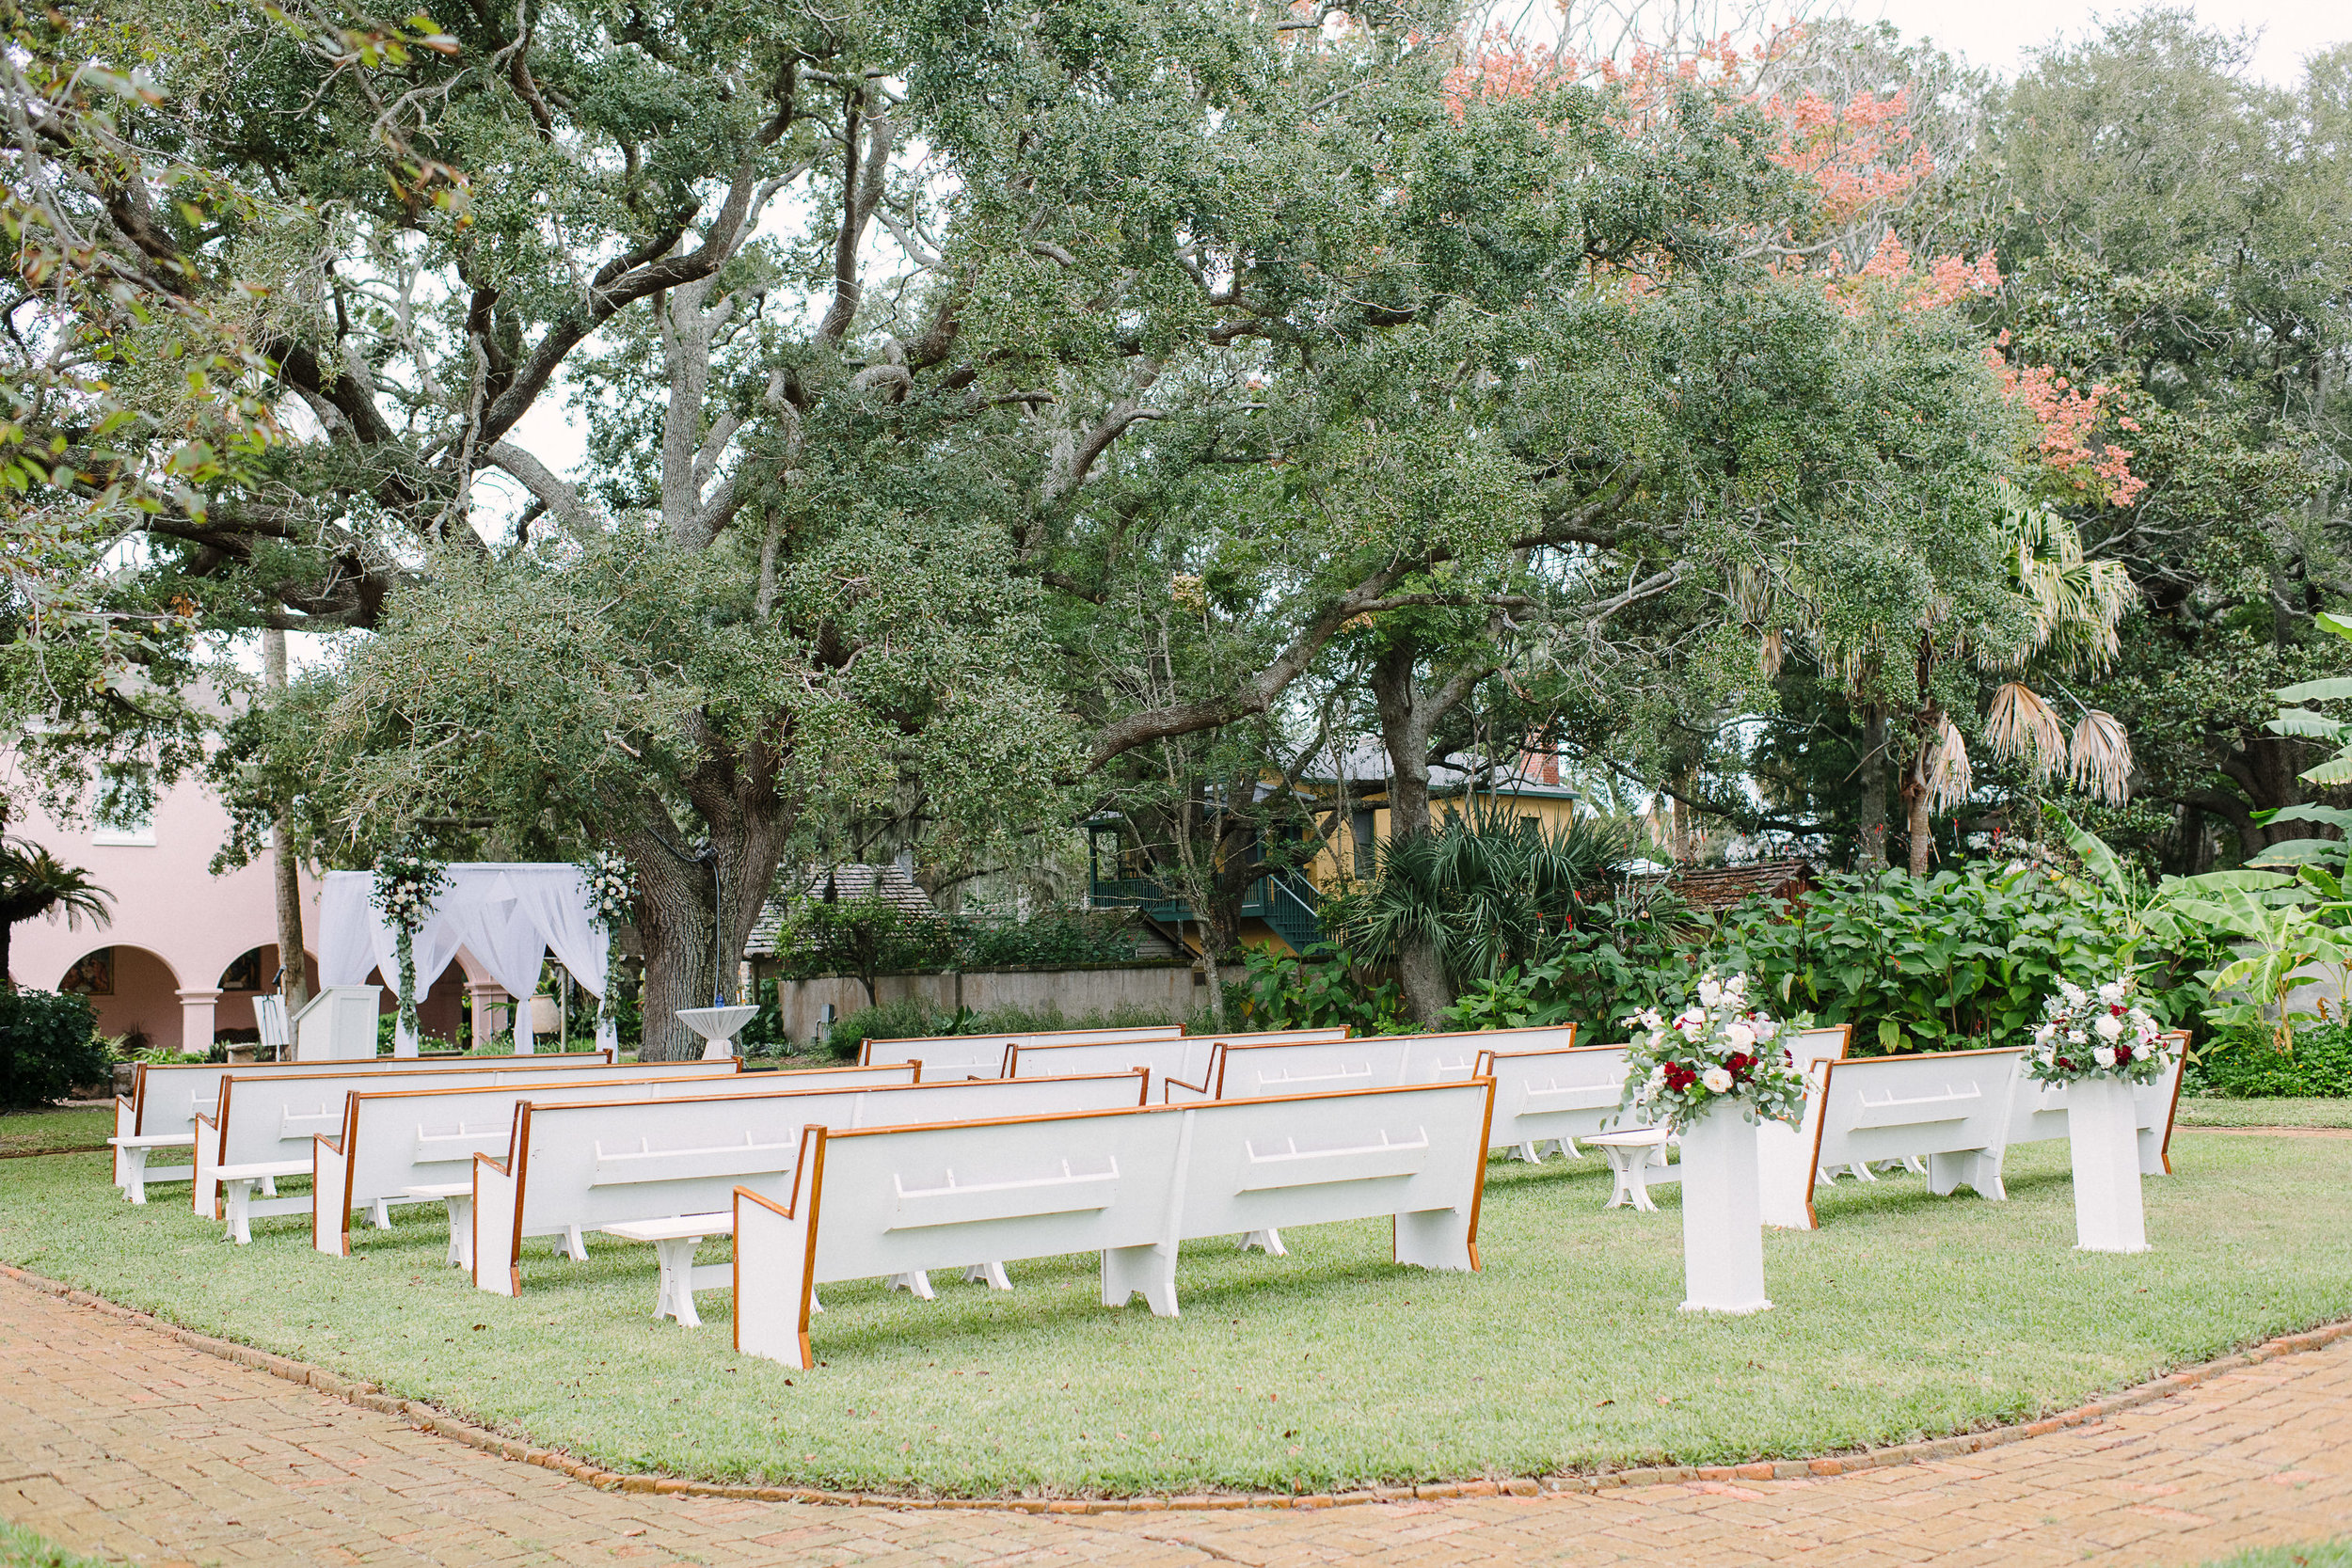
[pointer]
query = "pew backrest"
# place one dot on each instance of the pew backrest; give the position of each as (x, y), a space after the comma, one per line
(579, 1166)
(1180, 1057)
(271, 1117)
(1926, 1106)
(167, 1100)
(1132, 1185)
(1569, 1092)
(1248, 1069)
(987, 1055)
(396, 1137)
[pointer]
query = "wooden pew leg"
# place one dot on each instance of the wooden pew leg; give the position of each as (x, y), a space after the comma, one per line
(990, 1274)
(1146, 1271)
(1435, 1239)
(460, 1231)
(574, 1245)
(917, 1282)
(1268, 1240)
(1568, 1147)
(677, 1296)
(1529, 1152)
(269, 1186)
(239, 1194)
(381, 1217)
(134, 1173)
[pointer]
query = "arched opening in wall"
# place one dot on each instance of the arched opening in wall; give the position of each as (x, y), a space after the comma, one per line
(251, 973)
(440, 1007)
(136, 996)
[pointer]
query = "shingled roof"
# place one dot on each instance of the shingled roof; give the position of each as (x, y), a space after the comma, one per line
(850, 885)
(1719, 887)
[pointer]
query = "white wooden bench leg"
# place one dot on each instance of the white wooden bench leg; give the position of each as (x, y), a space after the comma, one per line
(461, 1231)
(1628, 1173)
(575, 1246)
(1568, 1147)
(1915, 1165)
(135, 1175)
(382, 1216)
(269, 1186)
(1529, 1152)
(917, 1281)
(1146, 1271)
(676, 1300)
(239, 1194)
(1268, 1240)
(990, 1274)
(1862, 1171)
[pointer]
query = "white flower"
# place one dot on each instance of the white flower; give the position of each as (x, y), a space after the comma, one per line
(1692, 1018)
(2110, 1026)
(2111, 992)
(1739, 1034)
(2103, 1056)
(1766, 1029)
(1711, 995)
(1718, 1080)
(2045, 1034)
(2073, 992)
(2075, 1037)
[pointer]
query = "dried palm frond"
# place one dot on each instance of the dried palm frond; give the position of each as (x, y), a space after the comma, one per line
(2102, 757)
(1771, 653)
(1945, 770)
(2021, 727)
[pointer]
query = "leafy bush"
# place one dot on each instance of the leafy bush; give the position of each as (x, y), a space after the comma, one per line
(1060, 939)
(1323, 988)
(2244, 1064)
(49, 1046)
(908, 1017)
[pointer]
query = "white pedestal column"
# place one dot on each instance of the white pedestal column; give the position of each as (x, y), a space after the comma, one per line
(196, 1021)
(1722, 1229)
(485, 999)
(2103, 1135)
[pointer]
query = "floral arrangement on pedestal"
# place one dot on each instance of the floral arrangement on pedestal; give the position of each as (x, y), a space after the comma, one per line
(407, 885)
(612, 892)
(2103, 1033)
(1719, 1050)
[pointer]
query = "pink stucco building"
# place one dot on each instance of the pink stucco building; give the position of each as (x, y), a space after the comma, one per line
(186, 950)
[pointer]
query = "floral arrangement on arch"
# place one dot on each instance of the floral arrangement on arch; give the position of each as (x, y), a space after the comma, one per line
(611, 893)
(2097, 1034)
(1719, 1050)
(407, 885)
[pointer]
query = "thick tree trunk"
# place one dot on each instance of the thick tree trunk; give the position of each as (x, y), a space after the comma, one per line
(293, 982)
(1871, 818)
(1405, 726)
(7, 936)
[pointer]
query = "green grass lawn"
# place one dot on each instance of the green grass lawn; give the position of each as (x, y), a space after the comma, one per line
(2319, 1553)
(2265, 1113)
(22, 1549)
(1906, 1315)
(41, 1132)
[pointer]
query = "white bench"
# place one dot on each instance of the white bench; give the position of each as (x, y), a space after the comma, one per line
(1637, 1158)
(1133, 1185)
(986, 1055)
(164, 1101)
(399, 1137)
(1552, 1094)
(271, 1120)
(1947, 1110)
(1170, 1059)
(581, 1167)
(2039, 1115)
(1254, 1067)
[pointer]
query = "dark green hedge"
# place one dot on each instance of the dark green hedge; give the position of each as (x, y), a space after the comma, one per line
(48, 1047)
(2243, 1065)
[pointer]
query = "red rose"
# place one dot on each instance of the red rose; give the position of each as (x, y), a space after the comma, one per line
(2117, 1010)
(2065, 1065)
(1739, 1064)
(2122, 1054)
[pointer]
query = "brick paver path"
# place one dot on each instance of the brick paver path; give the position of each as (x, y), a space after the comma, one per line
(116, 1439)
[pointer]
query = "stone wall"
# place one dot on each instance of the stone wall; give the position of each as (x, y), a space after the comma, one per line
(1171, 990)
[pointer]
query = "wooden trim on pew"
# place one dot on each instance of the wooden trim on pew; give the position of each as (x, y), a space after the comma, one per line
(2172, 1113)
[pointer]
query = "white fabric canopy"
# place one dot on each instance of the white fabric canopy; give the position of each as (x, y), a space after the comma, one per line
(508, 916)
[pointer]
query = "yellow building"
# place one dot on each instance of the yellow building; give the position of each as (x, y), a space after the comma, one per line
(1349, 800)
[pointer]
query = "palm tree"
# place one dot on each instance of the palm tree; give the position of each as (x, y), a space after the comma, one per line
(2067, 610)
(34, 882)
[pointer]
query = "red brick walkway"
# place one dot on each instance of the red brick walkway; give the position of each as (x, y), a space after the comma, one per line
(120, 1440)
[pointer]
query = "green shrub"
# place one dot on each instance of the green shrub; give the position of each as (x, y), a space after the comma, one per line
(2243, 1064)
(49, 1046)
(909, 1018)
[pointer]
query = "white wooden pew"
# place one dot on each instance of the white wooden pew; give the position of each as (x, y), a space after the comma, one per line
(404, 1144)
(2039, 1115)
(164, 1103)
(1252, 1066)
(574, 1169)
(947, 1056)
(262, 1127)
(1134, 1186)
(1172, 1059)
(1555, 1094)
(1947, 1109)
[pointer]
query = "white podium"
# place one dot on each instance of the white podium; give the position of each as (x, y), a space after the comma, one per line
(2103, 1136)
(1723, 1229)
(338, 1024)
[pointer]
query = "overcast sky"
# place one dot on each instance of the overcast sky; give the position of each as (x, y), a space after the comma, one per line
(2001, 33)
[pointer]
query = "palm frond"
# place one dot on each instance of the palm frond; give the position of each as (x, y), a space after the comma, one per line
(2021, 727)
(2102, 756)
(1949, 777)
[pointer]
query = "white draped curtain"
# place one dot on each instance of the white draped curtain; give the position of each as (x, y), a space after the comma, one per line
(508, 916)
